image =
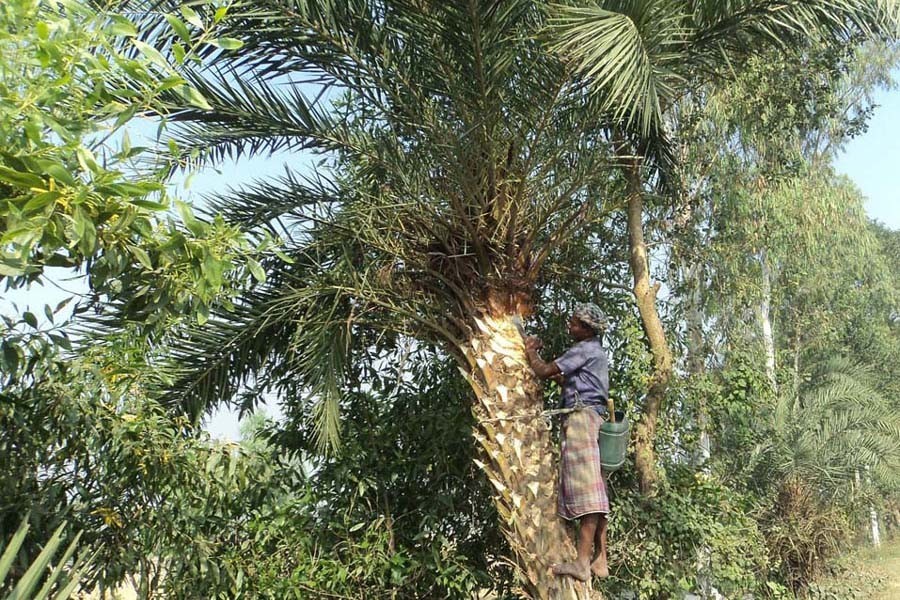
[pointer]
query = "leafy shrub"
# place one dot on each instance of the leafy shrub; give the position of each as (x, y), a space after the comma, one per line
(693, 533)
(400, 511)
(286, 555)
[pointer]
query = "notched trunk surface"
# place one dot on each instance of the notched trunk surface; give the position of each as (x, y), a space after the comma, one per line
(519, 458)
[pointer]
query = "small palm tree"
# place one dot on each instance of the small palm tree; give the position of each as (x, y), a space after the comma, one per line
(837, 425)
(458, 153)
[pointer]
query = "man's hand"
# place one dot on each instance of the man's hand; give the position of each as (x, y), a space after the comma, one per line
(533, 343)
(542, 369)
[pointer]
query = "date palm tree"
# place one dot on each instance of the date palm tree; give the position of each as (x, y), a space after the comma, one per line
(461, 143)
(832, 428)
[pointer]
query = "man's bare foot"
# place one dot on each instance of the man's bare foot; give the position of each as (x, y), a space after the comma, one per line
(581, 572)
(599, 567)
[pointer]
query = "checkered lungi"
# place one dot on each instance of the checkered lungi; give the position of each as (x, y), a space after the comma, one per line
(581, 487)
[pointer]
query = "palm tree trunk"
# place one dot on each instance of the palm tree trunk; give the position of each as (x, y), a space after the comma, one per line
(645, 297)
(519, 458)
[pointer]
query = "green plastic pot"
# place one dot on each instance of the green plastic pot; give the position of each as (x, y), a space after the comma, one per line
(614, 442)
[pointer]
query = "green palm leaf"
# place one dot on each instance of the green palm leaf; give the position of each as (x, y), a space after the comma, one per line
(62, 578)
(838, 424)
(639, 56)
(624, 55)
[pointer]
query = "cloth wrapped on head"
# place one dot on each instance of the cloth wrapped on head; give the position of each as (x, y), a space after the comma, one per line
(591, 315)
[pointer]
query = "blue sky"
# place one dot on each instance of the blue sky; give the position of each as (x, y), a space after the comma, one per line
(872, 160)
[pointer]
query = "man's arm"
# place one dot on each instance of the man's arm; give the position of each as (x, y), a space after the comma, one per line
(544, 370)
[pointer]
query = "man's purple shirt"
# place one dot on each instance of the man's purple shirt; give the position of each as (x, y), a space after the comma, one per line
(586, 369)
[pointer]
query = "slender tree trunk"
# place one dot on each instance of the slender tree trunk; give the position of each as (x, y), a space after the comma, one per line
(519, 458)
(645, 297)
(873, 514)
(696, 366)
(696, 355)
(876, 531)
(797, 343)
(765, 317)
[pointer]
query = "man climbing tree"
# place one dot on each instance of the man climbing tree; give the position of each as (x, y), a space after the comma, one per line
(584, 373)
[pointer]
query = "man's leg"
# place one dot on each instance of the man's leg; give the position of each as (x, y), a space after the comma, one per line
(599, 567)
(581, 568)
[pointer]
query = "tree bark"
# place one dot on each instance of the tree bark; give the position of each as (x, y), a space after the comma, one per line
(696, 354)
(645, 297)
(519, 458)
(765, 317)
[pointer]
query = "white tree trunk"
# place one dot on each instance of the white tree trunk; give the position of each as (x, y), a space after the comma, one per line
(873, 514)
(876, 532)
(765, 317)
(696, 357)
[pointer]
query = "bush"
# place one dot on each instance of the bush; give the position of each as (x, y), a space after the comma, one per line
(287, 555)
(693, 533)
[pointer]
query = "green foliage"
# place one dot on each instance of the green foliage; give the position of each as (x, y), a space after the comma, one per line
(463, 167)
(741, 408)
(639, 57)
(402, 505)
(768, 225)
(58, 79)
(352, 525)
(836, 426)
(84, 444)
(798, 459)
(57, 584)
(72, 192)
(695, 532)
(435, 203)
(287, 554)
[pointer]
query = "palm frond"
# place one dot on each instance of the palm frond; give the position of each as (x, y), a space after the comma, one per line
(624, 55)
(640, 55)
(251, 117)
(839, 424)
(290, 199)
(294, 335)
(60, 579)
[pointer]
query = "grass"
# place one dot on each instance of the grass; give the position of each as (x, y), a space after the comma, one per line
(864, 574)
(884, 562)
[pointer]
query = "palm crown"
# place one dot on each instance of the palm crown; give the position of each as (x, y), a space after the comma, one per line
(457, 156)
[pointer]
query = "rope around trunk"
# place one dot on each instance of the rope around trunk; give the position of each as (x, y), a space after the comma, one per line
(546, 414)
